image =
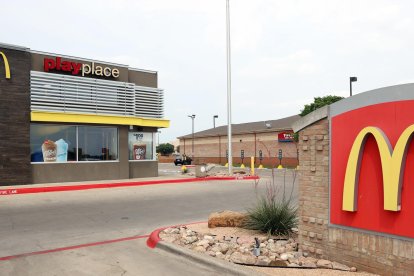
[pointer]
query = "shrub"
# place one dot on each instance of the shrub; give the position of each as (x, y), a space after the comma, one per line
(165, 149)
(319, 102)
(272, 216)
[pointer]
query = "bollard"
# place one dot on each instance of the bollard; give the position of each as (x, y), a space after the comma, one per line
(252, 165)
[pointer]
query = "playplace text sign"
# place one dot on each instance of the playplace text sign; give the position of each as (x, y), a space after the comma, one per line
(79, 69)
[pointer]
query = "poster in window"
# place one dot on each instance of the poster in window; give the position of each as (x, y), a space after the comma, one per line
(55, 151)
(139, 147)
(139, 151)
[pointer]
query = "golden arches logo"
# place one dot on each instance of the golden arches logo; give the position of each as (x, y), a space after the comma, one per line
(392, 163)
(6, 65)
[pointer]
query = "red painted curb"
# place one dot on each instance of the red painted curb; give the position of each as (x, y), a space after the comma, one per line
(48, 189)
(70, 247)
(154, 237)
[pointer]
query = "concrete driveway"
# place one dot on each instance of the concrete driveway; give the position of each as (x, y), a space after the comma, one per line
(66, 223)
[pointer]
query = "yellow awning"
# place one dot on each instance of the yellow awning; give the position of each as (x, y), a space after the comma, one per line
(58, 117)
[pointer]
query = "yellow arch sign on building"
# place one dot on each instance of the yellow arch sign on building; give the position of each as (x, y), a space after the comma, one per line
(6, 65)
(392, 163)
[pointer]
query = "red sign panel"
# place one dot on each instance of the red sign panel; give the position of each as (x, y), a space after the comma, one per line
(392, 120)
(285, 137)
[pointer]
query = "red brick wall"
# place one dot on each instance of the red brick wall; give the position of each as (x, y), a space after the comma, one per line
(214, 149)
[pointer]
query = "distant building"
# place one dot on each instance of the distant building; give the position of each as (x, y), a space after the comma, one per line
(266, 137)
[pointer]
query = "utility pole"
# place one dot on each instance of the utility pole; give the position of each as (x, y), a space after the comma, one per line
(192, 124)
(229, 89)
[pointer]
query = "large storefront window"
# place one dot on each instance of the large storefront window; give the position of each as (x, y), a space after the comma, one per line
(52, 143)
(140, 145)
(97, 143)
(62, 143)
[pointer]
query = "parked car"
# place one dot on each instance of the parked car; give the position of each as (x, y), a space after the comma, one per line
(182, 160)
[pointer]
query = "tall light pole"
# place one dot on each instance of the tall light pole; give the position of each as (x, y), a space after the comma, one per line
(214, 120)
(351, 80)
(230, 162)
(192, 140)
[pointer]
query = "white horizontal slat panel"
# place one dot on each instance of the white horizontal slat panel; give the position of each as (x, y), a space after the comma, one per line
(65, 93)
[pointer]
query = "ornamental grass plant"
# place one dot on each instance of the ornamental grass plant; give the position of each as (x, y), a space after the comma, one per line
(274, 213)
(272, 217)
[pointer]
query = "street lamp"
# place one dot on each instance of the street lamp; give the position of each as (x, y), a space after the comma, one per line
(230, 161)
(351, 80)
(214, 120)
(192, 146)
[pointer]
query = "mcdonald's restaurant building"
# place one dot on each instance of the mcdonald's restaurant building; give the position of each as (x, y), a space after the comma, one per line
(75, 119)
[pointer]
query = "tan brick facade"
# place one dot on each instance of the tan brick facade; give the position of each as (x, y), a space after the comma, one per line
(369, 252)
(213, 149)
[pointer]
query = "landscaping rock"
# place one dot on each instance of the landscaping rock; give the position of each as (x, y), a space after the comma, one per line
(215, 249)
(219, 255)
(202, 243)
(282, 253)
(226, 219)
(224, 248)
(191, 239)
(339, 266)
(324, 263)
(278, 263)
(249, 259)
(309, 265)
(199, 249)
(280, 250)
(284, 257)
(263, 261)
(236, 257)
(281, 242)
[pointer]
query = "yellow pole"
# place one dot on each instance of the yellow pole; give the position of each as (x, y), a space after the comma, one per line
(252, 165)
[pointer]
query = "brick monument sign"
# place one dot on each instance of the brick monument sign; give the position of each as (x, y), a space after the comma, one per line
(356, 190)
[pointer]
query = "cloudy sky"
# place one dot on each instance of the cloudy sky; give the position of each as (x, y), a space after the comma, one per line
(284, 53)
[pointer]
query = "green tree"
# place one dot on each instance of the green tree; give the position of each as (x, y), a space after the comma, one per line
(165, 149)
(318, 102)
